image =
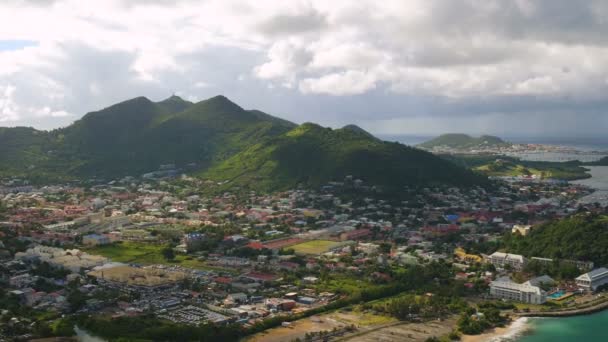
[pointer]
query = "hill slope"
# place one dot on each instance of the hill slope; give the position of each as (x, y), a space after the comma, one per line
(312, 155)
(580, 237)
(463, 141)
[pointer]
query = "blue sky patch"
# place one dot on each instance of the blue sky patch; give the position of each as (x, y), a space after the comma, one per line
(11, 45)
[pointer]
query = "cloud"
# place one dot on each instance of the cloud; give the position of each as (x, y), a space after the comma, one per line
(308, 20)
(344, 83)
(374, 62)
(8, 107)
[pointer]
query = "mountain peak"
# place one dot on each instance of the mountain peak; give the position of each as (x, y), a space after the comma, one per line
(221, 103)
(173, 98)
(174, 104)
(358, 130)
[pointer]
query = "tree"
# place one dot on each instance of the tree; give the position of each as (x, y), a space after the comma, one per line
(168, 253)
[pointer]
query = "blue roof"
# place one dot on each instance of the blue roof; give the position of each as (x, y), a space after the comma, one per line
(452, 217)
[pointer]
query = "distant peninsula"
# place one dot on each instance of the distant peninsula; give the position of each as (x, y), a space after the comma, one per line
(463, 141)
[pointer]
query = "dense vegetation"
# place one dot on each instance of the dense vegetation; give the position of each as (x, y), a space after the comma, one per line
(149, 328)
(312, 155)
(473, 322)
(580, 237)
(458, 140)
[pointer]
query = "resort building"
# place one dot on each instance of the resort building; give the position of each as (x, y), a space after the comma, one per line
(501, 260)
(527, 293)
(592, 280)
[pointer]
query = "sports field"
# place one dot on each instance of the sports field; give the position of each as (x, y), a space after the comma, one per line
(315, 247)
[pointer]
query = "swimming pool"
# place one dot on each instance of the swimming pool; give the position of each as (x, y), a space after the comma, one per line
(556, 295)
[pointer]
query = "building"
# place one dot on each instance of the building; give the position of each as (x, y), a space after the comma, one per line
(95, 240)
(527, 293)
(502, 260)
(194, 241)
(592, 280)
(523, 230)
(462, 255)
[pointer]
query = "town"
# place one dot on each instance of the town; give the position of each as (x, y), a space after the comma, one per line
(167, 246)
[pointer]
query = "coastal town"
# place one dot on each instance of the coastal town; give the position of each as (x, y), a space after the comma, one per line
(171, 247)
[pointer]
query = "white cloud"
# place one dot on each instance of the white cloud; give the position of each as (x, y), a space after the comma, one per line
(480, 56)
(8, 107)
(48, 112)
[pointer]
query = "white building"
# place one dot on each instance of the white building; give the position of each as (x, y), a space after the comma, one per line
(527, 293)
(523, 230)
(501, 260)
(592, 280)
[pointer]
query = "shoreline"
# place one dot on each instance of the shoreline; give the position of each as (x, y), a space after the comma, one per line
(520, 324)
(507, 333)
(567, 313)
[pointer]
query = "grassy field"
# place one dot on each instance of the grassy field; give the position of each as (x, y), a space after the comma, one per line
(314, 247)
(148, 254)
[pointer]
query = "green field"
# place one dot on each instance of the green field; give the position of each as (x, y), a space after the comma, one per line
(148, 254)
(314, 246)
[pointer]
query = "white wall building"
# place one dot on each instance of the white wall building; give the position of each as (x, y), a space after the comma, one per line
(527, 293)
(501, 260)
(592, 280)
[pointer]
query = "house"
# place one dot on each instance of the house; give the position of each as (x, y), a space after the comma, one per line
(590, 281)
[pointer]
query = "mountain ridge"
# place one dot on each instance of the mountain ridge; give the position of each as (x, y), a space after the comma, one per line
(221, 140)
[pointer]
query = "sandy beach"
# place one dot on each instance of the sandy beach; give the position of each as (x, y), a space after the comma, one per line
(508, 333)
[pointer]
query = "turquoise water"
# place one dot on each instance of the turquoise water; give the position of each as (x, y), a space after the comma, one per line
(589, 328)
(556, 294)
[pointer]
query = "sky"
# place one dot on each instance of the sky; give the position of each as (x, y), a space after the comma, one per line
(421, 67)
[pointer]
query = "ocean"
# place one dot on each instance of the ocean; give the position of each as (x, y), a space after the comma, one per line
(599, 182)
(578, 328)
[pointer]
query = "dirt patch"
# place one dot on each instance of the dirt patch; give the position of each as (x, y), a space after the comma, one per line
(404, 332)
(338, 320)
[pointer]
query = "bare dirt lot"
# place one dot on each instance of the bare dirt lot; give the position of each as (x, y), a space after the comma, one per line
(370, 328)
(404, 332)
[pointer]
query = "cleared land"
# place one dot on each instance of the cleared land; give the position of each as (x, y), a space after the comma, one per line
(315, 247)
(139, 276)
(404, 332)
(362, 320)
(148, 254)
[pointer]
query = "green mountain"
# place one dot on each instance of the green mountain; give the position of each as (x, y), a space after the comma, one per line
(463, 141)
(137, 136)
(580, 237)
(223, 142)
(312, 155)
